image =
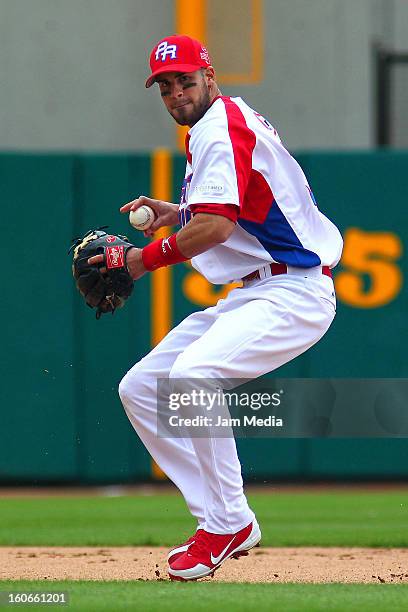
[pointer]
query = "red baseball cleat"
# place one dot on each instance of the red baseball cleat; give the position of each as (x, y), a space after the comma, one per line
(209, 550)
(177, 551)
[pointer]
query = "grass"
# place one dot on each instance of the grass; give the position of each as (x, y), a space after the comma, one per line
(287, 519)
(153, 596)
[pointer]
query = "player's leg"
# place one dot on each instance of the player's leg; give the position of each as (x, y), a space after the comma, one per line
(138, 393)
(257, 329)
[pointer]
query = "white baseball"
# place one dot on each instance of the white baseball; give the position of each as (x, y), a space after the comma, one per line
(142, 218)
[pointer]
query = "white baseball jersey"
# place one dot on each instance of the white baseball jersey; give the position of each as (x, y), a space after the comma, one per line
(235, 156)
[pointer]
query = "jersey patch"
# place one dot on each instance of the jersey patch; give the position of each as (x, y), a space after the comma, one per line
(209, 189)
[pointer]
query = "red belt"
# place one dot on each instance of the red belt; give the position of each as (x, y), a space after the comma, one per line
(277, 268)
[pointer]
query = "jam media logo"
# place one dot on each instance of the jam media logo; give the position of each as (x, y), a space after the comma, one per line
(164, 49)
(110, 238)
(115, 257)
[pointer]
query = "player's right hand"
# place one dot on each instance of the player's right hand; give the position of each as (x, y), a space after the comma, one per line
(166, 213)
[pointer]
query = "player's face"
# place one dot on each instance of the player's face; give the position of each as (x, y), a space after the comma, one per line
(185, 95)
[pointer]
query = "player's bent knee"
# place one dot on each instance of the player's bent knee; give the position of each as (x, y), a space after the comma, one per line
(136, 390)
(124, 390)
(133, 386)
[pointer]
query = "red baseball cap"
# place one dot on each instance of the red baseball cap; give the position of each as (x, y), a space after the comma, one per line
(177, 54)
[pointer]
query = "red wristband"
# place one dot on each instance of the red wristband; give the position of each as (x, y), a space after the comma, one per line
(162, 252)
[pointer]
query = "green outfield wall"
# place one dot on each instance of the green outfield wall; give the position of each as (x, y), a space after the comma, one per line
(61, 418)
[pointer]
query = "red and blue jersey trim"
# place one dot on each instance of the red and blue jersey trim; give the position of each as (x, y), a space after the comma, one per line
(260, 214)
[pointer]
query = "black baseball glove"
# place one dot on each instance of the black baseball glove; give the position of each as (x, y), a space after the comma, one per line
(108, 290)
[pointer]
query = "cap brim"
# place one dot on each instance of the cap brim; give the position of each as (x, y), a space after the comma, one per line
(171, 68)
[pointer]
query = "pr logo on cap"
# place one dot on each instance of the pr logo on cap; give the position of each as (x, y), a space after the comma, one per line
(164, 49)
(177, 53)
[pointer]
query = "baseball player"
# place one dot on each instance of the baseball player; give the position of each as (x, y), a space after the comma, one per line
(246, 212)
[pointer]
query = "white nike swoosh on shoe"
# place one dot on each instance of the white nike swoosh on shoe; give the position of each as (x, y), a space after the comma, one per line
(216, 560)
(185, 546)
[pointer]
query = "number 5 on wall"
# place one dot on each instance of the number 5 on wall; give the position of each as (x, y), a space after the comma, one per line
(369, 256)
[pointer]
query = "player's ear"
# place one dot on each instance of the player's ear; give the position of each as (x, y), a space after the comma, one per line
(209, 74)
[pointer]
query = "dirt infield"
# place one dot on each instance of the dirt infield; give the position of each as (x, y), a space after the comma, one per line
(312, 564)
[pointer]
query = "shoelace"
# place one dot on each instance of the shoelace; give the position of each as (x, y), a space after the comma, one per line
(200, 545)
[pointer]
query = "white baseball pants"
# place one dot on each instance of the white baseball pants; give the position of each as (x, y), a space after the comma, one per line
(254, 330)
